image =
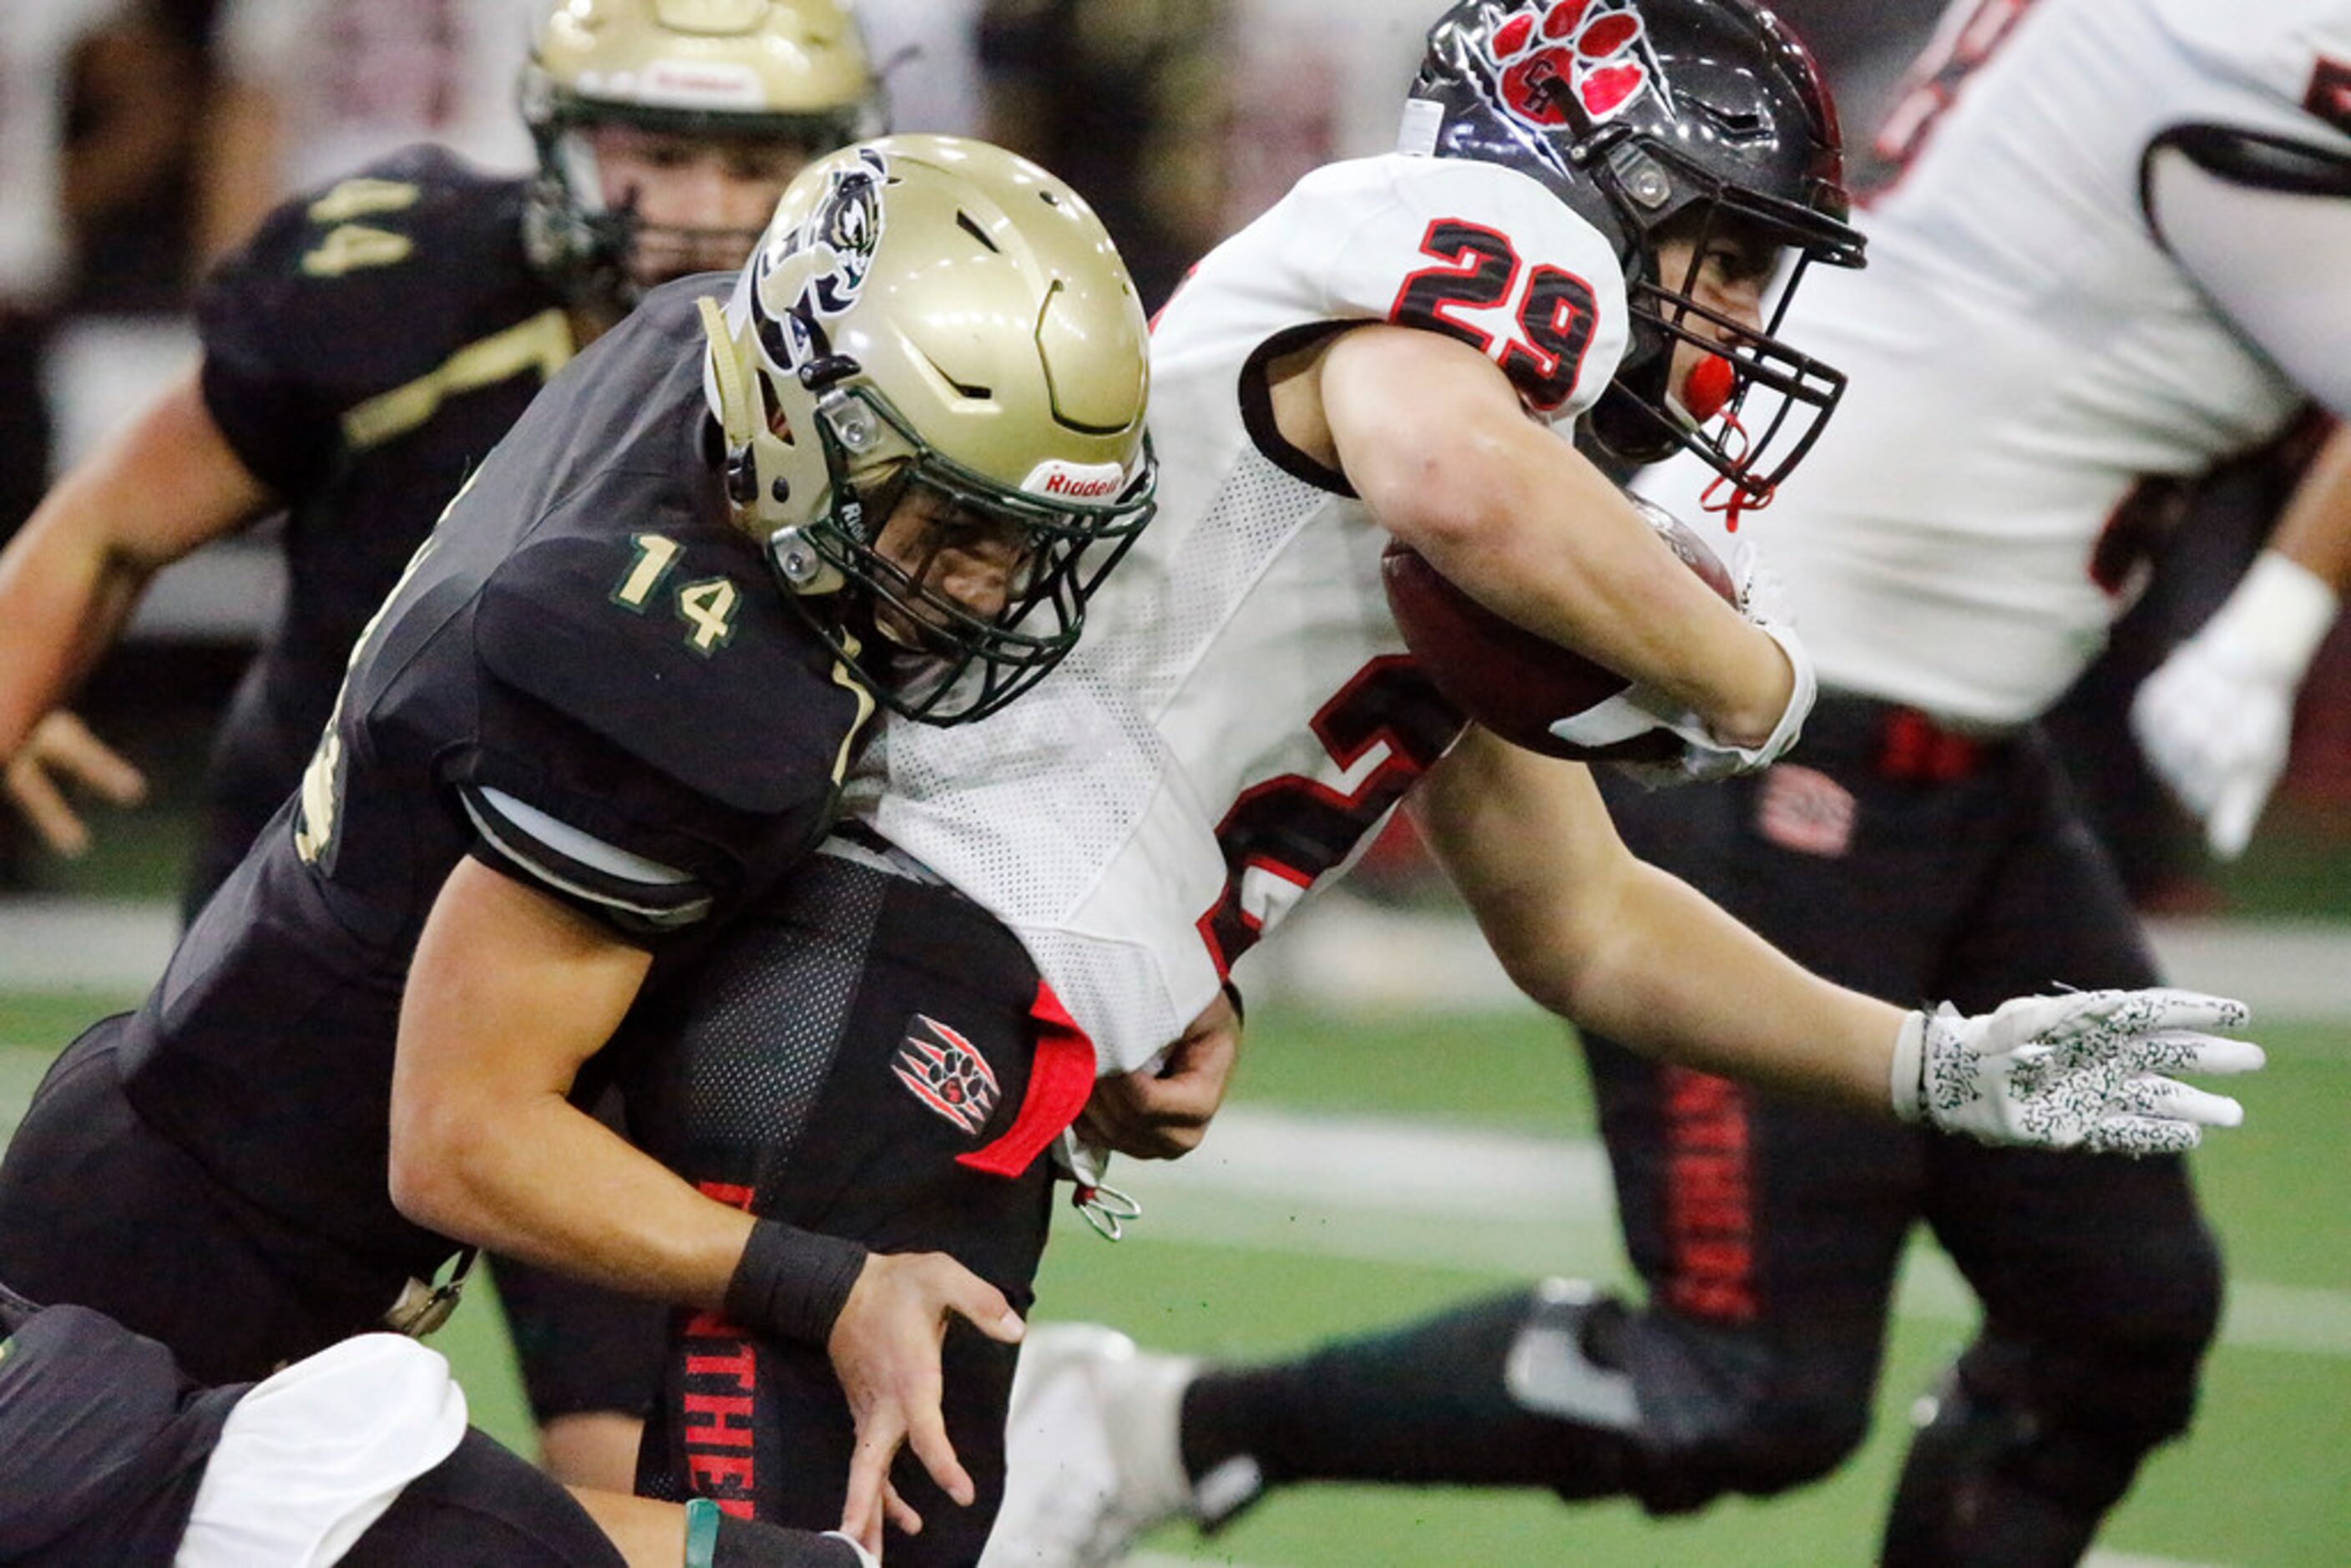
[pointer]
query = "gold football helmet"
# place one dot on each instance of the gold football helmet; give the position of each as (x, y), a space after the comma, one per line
(788, 71)
(931, 312)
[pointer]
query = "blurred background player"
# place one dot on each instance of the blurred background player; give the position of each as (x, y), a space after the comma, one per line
(360, 355)
(2112, 249)
(358, 1455)
(86, 124)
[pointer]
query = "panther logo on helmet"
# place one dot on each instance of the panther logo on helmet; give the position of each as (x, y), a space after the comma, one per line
(841, 235)
(846, 228)
(1597, 51)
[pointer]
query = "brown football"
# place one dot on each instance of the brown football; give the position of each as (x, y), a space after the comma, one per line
(1516, 684)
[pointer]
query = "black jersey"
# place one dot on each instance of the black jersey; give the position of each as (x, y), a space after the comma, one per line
(363, 352)
(587, 678)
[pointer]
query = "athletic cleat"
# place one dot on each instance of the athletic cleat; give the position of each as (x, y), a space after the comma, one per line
(1091, 1452)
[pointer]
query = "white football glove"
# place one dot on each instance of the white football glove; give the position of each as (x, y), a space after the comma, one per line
(1704, 757)
(2216, 718)
(2082, 1071)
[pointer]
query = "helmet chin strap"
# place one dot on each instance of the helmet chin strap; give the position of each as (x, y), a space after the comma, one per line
(1726, 494)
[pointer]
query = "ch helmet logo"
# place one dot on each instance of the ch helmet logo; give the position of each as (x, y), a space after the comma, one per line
(946, 1073)
(1594, 52)
(839, 239)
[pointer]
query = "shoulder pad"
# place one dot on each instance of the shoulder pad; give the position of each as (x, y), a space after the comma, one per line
(679, 652)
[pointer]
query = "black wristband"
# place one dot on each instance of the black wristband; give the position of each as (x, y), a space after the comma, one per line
(748, 1543)
(792, 1282)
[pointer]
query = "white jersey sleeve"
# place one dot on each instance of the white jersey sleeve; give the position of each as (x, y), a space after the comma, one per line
(1475, 251)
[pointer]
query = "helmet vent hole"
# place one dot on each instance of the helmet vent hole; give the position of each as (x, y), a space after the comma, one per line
(969, 226)
(1744, 125)
(962, 389)
(1048, 198)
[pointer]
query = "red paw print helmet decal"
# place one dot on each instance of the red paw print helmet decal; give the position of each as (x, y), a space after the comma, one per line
(1592, 54)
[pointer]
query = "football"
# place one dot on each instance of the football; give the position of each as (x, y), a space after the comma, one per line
(1512, 681)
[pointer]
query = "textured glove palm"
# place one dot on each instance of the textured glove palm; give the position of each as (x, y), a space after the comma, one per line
(2088, 1071)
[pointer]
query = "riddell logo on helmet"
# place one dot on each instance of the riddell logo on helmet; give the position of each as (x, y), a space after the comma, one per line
(1075, 481)
(1594, 52)
(712, 84)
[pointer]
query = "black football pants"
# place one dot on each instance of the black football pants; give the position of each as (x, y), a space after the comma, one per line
(865, 1060)
(1917, 865)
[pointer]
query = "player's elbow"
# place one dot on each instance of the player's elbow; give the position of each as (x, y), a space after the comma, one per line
(1552, 971)
(431, 1170)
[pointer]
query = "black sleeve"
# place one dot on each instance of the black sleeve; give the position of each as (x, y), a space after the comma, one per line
(558, 807)
(265, 332)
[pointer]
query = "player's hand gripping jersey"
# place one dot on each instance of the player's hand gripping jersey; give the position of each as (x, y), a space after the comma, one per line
(2096, 259)
(1243, 713)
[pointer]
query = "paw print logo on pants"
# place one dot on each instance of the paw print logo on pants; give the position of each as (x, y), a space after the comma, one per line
(946, 1073)
(1594, 50)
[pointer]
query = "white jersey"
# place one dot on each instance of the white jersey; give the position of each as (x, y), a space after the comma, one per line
(1241, 714)
(2020, 347)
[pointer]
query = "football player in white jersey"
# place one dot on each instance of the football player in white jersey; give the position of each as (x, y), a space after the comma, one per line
(2114, 248)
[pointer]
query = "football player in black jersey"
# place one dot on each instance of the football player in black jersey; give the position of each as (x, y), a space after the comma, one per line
(607, 707)
(360, 355)
(368, 346)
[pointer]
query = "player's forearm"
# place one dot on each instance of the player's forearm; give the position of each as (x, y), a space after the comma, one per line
(1433, 438)
(508, 993)
(1677, 978)
(1619, 947)
(2315, 529)
(545, 1182)
(165, 484)
(63, 600)
(1553, 545)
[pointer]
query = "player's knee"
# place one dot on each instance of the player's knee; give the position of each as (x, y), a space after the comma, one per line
(2134, 1376)
(1720, 1411)
(1759, 1447)
(1794, 1438)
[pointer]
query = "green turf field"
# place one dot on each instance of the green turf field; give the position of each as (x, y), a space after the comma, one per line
(1277, 1247)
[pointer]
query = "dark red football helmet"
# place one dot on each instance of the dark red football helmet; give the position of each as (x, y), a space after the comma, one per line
(1657, 118)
